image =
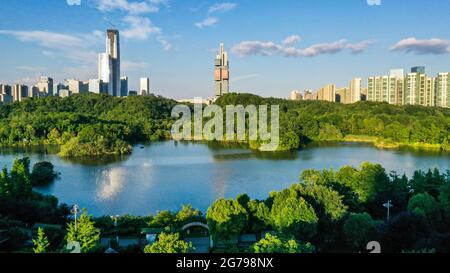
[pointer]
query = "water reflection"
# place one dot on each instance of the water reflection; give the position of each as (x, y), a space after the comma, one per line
(110, 183)
(168, 174)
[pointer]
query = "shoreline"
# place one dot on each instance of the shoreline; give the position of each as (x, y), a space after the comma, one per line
(374, 141)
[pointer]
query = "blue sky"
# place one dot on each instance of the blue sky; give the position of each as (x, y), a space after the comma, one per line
(275, 46)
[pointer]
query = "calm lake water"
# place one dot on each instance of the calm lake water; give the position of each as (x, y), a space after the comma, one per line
(168, 174)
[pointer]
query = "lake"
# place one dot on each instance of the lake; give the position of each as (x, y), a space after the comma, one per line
(166, 175)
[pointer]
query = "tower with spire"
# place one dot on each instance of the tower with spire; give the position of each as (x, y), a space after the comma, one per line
(221, 73)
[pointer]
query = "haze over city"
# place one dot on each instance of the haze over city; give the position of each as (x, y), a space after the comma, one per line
(174, 42)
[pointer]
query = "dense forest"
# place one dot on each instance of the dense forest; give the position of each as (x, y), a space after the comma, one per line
(383, 124)
(86, 124)
(90, 124)
(325, 211)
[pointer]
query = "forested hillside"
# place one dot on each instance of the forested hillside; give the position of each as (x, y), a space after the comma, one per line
(90, 124)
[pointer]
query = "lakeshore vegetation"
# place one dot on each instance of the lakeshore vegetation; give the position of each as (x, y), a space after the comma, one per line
(324, 211)
(93, 125)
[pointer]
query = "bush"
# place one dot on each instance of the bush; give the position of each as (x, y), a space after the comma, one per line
(43, 173)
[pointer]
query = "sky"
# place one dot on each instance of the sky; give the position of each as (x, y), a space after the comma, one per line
(274, 46)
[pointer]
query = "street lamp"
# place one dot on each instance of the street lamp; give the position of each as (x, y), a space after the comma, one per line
(75, 210)
(388, 205)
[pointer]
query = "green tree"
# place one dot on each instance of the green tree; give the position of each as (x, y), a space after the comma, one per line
(291, 214)
(43, 173)
(169, 243)
(41, 243)
(358, 229)
(444, 197)
(274, 244)
(164, 219)
(423, 204)
(84, 232)
(188, 214)
(5, 183)
(20, 178)
(226, 217)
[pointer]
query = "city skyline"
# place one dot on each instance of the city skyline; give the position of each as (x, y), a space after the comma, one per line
(269, 61)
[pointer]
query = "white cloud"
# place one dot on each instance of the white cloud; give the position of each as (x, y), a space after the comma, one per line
(216, 8)
(73, 2)
(432, 46)
(290, 40)
(256, 47)
(139, 28)
(131, 66)
(222, 7)
(361, 46)
(209, 21)
(128, 6)
(269, 48)
(74, 47)
(244, 77)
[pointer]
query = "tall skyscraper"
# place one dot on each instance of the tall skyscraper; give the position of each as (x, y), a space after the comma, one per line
(145, 86)
(109, 63)
(45, 85)
(104, 70)
(221, 73)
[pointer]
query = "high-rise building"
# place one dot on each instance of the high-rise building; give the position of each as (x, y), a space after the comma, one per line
(45, 85)
(397, 73)
(308, 94)
(76, 87)
(222, 72)
(418, 69)
(109, 63)
(19, 92)
(5, 93)
(57, 87)
(442, 88)
(95, 86)
(388, 89)
(355, 90)
(124, 86)
(296, 95)
(104, 71)
(5, 89)
(145, 86)
(34, 91)
(327, 93)
(343, 95)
